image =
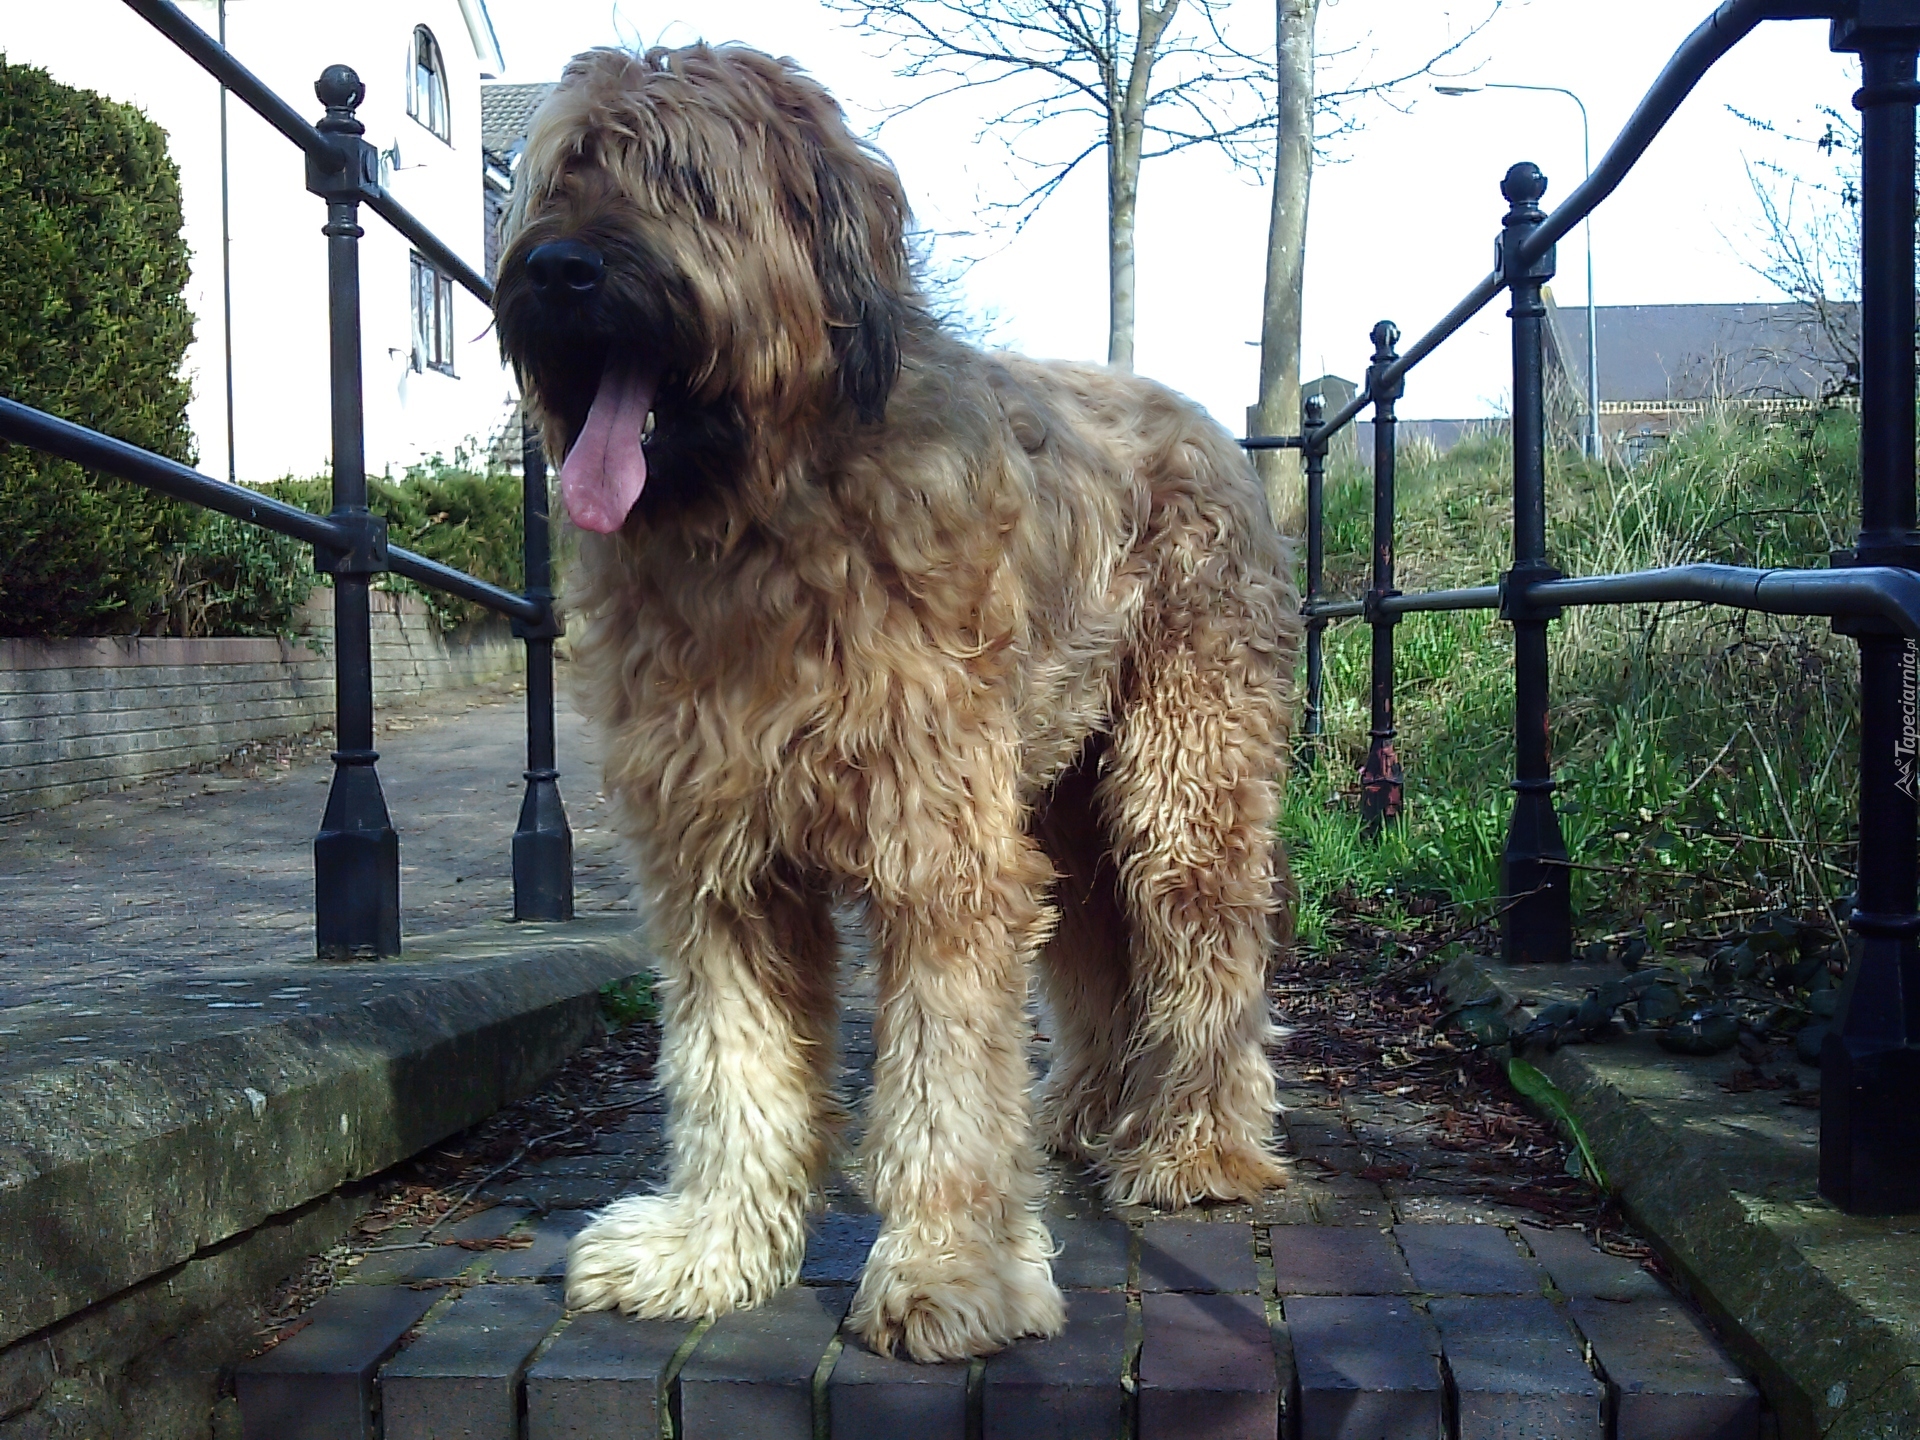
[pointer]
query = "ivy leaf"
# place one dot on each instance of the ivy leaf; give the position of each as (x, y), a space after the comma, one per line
(1533, 1084)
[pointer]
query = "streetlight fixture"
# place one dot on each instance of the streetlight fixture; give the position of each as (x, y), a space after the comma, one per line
(1586, 227)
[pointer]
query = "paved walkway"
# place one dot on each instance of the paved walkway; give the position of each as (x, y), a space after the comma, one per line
(207, 871)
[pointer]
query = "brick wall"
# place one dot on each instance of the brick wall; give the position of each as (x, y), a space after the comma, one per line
(79, 717)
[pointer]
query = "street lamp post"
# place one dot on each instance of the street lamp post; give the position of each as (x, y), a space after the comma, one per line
(1586, 227)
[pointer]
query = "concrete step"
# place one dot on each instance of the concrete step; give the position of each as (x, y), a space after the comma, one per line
(1177, 1330)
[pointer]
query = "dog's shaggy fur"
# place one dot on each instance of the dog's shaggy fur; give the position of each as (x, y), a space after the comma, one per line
(996, 649)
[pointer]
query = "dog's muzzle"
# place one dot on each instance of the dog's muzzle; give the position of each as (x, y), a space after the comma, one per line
(565, 271)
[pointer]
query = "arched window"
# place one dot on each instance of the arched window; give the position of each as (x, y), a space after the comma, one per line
(427, 85)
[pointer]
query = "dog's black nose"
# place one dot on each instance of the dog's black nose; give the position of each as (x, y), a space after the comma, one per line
(565, 269)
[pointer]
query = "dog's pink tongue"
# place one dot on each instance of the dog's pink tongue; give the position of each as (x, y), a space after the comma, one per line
(607, 468)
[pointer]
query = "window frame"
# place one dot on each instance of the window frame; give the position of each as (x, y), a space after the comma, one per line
(433, 109)
(430, 317)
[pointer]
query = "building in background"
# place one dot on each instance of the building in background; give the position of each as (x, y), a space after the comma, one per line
(259, 366)
(1356, 440)
(505, 112)
(1664, 367)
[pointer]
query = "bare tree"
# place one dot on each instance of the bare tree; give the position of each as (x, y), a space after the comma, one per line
(1277, 411)
(1307, 115)
(1140, 79)
(1809, 240)
(1152, 76)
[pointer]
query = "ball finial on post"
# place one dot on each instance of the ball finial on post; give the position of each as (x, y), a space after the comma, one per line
(1523, 186)
(1386, 349)
(341, 91)
(1386, 338)
(1524, 183)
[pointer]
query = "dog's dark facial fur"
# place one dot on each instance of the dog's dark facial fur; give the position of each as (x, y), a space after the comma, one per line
(636, 319)
(642, 190)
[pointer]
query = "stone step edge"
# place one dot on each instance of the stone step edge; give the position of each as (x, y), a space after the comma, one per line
(114, 1170)
(1735, 1251)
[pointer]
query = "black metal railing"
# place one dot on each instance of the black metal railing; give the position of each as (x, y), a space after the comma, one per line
(1870, 1064)
(356, 853)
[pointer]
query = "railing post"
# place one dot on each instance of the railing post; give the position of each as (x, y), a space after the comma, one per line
(1381, 784)
(1536, 908)
(1313, 449)
(356, 855)
(542, 845)
(1870, 1063)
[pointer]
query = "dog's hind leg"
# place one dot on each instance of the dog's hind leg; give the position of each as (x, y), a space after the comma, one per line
(748, 1063)
(962, 1264)
(1190, 794)
(1083, 970)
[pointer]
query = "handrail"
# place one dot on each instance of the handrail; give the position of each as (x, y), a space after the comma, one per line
(1871, 594)
(1697, 54)
(1884, 590)
(356, 850)
(25, 425)
(1888, 591)
(36, 428)
(457, 582)
(218, 62)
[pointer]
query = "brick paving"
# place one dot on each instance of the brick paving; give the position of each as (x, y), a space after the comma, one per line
(1330, 1311)
(1192, 1364)
(1386, 1292)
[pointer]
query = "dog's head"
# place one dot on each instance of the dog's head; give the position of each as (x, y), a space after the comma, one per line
(697, 248)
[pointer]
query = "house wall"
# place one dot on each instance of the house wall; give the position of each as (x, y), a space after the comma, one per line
(279, 265)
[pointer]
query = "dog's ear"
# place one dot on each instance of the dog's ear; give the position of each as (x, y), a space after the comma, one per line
(862, 260)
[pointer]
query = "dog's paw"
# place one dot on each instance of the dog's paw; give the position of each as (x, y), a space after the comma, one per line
(955, 1304)
(663, 1257)
(1149, 1175)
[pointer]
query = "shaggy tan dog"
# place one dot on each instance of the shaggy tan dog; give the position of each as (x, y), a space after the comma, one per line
(873, 616)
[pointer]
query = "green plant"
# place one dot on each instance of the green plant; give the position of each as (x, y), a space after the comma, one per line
(463, 516)
(456, 511)
(624, 1001)
(232, 578)
(1705, 756)
(1533, 1084)
(93, 328)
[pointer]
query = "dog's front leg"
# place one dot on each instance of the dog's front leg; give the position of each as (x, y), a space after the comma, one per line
(747, 1059)
(962, 1263)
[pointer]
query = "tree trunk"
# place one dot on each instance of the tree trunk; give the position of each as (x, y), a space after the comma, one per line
(1123, 198)
(1278, 410)
(1126, 135)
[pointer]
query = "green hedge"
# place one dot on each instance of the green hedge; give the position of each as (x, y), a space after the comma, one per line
(453, 511)
(232, 578)
(93, 328)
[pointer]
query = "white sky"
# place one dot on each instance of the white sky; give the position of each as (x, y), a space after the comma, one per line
(1402, 220)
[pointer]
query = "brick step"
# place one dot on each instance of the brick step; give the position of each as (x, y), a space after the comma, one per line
(1176, 1330)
